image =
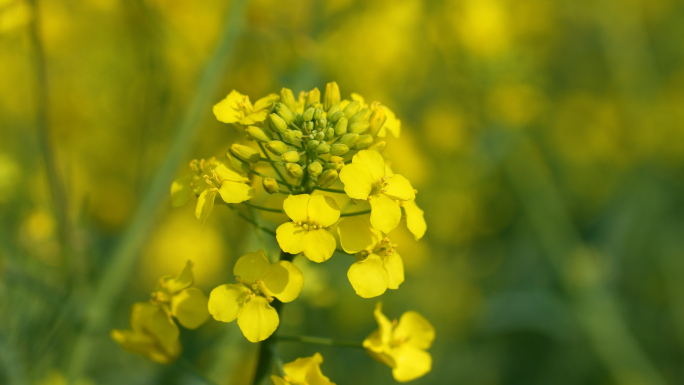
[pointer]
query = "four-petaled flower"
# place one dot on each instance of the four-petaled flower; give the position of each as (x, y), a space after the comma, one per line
(311, 215)
(249, 300)
(367, 178)
(303, 371)
(175, 296)
(236, 108)
(401, 346)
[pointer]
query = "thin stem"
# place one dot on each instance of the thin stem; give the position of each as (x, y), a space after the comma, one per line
(355, 213)
(263, 208)
(265, 176)
(332, 190)
(278, 360)
(252, 221)
(319, 341)
(270, 161)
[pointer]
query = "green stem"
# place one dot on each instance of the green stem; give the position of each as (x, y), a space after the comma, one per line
(252, 221)
(332, 190)
(115, 277)
(319, 341)
(266, 176)
(263, 208)
(355, 213)
(270, 161)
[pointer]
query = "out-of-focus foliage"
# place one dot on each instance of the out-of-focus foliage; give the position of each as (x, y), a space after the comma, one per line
(545, 139)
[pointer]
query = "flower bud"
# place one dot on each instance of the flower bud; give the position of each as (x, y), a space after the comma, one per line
(335, 108)
(334, 117)
(327, 178)
(321, 123)
(278, 123)
(339, 149)
(314, 96)
(314, 168)
(277, 147)
(257, 134)
(363, 141)
(290, 157)
(378, 146)
(361, 116)
(290, 137)
(237, 163)
(307, 127)
(341, 126)
(247, 154)
(348, 139)
(358, 127)
(318, 114)
(332, 95)
(287, 98)
(329, 133)
(270, 185)
(312, 144)
(377, 119)
(319, 136)
(323, 148)
(284, 112)
(298, 119)
(337, 159)
(308, 114)
(294, 170)
(351, 109)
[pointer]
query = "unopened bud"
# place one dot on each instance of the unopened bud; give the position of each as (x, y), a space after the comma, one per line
(358, 127)
(294, 169)
(335, 108)
(308, 114)
(361, 116)
(248, 154)
(277, 147)
(270, 185)
(323, 148)
(290, 157)
(348, 139)
(378, 146)
(290, 136)
(339, 149)
(327, 178)
(321, 123)
(237, 163)
(334, 117)
(329, 133)
(278, 123)
(351, 109)
(315, 168)
(314, 96)
(287, 98)
(318, 114)
(257, 134)
(332, 95)
(363, 141)
(337, 159)
(319, 136)
(312, 144)
(377, 119)
(284, 112)
(341, 126)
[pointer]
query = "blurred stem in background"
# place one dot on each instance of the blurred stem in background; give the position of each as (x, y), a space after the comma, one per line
(579, 271)
(100, 306)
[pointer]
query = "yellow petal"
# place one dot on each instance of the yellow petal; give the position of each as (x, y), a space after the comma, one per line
(227, 110)
(235, 192)
(358, 181)
(395, 270)
(415, 329)
(411, 363)
(399, 188)
(225, 301)
(254, 118)
(298, 369)
(296, 206)
(266, 102)
(323, 210)
(284, 281)
(163, 329)
(385, 326)
(385, 213)
(205, 204)
(278, 381)
(415, 219)
(373, 161)
(228, 173)
(392, 124)
(378, 351)
(251, 267)
(181, 190)
(320, 245)
(183, 281)
(368, 277)
(145, 344)
(355, 234)
(291, 238)
(257, 319)
(190, 307)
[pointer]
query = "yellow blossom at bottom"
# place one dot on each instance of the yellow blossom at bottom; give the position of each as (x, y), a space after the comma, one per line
(402, 345)
(303, 371)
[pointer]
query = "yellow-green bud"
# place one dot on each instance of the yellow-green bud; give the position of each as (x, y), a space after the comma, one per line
(237, 163)
(361, 116)
(290, 157)
(352, 108)
(339, 149)
(348, 139)
(332, 95)
(318, 114)
(271, 185)
(314, 168)
(337, 159)
(248, 154)
(287, 98)
(258, 134)
(322, 122)
(278, 123)
(358, 127)
(277, 147)
(329, 133)
(320, 136)
(284, 112)
(290, 136)
(377, 119)
(314, 96)
(333, 166)
(298, 119)
(312, 144)
(378, 146)
(308, 114)
(363, 141)
(333, 109)
(327, 178)
(307, 127)
(298, 134)
(294, 169)
(341, 126)
(323, 148)
(335, 116)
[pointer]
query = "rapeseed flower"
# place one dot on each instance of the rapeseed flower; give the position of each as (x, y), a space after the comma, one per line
(402, 345)
(236, 108)
(303, 371)
(175, 296)
(249, 300)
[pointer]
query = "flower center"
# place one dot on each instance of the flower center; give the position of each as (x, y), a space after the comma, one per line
(380, 186)
(309, 225)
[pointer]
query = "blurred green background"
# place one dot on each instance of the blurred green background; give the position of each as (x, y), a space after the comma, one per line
(545, 139)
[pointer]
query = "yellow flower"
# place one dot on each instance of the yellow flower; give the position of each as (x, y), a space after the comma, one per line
(236, 108)
(379, 267)
(303, 371)
(367, 178)
(402, 345)
(208, 179)
(392, 124)
(153, 334)
(310, 215)
(415, 219)
(249, 300)
(187, 304)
